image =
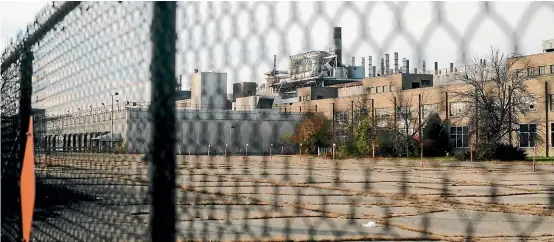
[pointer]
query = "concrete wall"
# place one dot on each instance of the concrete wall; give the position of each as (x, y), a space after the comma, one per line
(196, 129)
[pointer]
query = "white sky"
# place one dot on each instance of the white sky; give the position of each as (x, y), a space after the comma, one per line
(264, 29)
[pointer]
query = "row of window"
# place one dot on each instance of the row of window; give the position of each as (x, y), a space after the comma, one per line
(380, 89)
(403, 112)
(531, 71)
(527, 135)
(86, 119)
(527, 104)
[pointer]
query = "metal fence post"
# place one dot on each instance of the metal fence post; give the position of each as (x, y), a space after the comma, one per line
(162, 166)
(25, 110)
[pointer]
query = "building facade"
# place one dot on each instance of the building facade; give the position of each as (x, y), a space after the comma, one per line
(439, 94)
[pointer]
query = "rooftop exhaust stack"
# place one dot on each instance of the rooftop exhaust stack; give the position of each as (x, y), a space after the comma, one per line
(363, 62)
(337, 36)
(451, 67)
(382, 66)
(403, 65)
(179, 83)
(353, 61)
(374, 70)
(387, 63)
(424, 67)
(371, 71)
(436, 68)
(407, 66)
(395, 62)
(415, 70)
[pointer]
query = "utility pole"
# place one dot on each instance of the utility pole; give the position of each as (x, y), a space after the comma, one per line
(111, 134)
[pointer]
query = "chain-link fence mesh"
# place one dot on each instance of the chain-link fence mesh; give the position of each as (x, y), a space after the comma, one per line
(123, 151)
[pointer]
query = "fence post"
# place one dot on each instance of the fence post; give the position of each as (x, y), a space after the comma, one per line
(225, 150)
(334, 151)
(270, 148)
(246, 150)
(534, 156)
(300, 151)
(162, 70)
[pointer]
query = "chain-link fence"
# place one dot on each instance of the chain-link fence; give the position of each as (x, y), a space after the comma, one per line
(136, 137)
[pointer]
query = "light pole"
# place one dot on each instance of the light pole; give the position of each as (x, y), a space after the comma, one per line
(79, 110)
(103, 109)
(89, 138)
(111, 114)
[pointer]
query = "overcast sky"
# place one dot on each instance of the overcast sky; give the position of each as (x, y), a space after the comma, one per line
(240, 38)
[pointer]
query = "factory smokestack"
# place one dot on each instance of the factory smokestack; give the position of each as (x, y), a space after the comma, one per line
(363, 62)
(451, 67)
(382, 66)
(387, 64)
(353, 61)
(337, 36)
(415, 70)
(424, 68)
(371, 71)
(374, 70)
(436, 68)
(408, 66)
(403, 65)
(395, 62)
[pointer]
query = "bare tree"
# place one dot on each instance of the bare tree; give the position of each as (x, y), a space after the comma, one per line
(407, 124)
(496, 96)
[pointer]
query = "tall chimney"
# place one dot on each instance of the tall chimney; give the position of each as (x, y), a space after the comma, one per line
(451, 67)
(436, 68)
(363, 62)
(424, 68)
(374, 70)
(353, 61)
(403, 65)
(387, 64)
(395, 62)
(337, 36)
(382, 66)
(407, 66)
(415, 70)
(371, 71)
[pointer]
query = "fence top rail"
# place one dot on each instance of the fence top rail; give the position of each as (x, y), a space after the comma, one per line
(51, 15)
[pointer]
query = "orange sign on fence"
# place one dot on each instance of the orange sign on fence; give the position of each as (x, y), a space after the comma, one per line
(28, 184)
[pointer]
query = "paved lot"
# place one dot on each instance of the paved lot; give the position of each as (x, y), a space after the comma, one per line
(301, 198)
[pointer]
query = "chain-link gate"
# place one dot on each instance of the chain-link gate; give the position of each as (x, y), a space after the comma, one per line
(123, 152)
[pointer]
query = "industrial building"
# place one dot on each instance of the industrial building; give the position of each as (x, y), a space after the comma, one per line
(317, 81)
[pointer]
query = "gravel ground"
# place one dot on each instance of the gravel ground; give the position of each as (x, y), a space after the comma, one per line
(91, 197)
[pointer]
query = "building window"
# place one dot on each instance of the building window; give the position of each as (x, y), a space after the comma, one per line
(426, 82)
(527, 135)
(519, 72)
(391, 88)
(458, 109)
(542, 70)
(429, 109)
(341, 117)
(372, 90)
(362, 112)
(404, 112)
(460, 136)
(530, 71)
(529, 104)
(551, 69)
(377, 89)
